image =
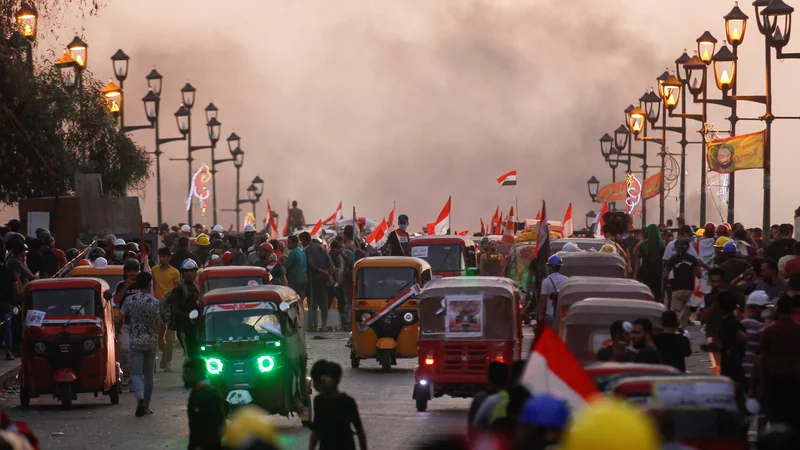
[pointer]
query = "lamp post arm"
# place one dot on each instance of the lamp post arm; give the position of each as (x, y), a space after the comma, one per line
(220, 161)
(762, 99)
(179, 159)
(697, 117)
(195, 148)
(780, 55)
(168, 140)
(673, 129)
(129, 128)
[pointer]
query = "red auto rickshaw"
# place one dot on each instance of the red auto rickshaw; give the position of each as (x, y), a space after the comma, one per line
(449, 255)
(464, 324)
(230, 276)
(67, 341)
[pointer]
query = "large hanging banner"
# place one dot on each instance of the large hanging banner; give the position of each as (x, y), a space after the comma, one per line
(651, 186)
(612, 192)
(736, 153)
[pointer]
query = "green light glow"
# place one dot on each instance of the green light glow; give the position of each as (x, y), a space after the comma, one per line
(214, 366)
(265, 363)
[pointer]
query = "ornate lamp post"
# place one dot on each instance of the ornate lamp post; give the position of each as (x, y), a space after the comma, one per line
(27, 26)
(593, 184)
(590, 216)
(79, 52)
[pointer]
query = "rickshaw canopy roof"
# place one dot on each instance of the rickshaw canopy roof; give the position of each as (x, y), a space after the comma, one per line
(585, 263)
(692, 394)
(439, 239)
(580, 287)
(89, 271)
(493, 286)
(392, 261)
(66, 283)
(277, 294)
(610, 370)
(583, 243)
(231, 271)
(603, 311)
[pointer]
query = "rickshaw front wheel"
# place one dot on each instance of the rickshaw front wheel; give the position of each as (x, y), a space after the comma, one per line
(385, 359)
(422, 404)
(354, 360)
(114, 393)
(66, 396)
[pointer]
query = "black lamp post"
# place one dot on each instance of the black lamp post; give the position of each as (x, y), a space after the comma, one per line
(257, 186)
(237, 156)
(611, 155)
(79, 52)
(27, 26)
(590, 216)
(593, 184)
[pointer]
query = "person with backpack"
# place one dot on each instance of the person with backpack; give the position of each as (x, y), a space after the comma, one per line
(550, 287)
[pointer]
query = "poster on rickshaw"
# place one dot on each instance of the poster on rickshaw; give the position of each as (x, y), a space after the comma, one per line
(464, 316)
(695, 394)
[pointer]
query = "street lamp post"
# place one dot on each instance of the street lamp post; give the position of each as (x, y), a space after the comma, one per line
(590, 216)
(593, 184)
(611, 156)
(735, 27)
(79, 52)
(254, 193)
(27, 26)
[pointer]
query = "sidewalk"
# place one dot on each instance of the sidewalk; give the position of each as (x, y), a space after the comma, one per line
(8, 371)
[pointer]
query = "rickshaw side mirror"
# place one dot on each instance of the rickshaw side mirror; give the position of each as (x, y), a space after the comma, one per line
(426, 276)
(107, 294)
(193, 315)
(752, 405)
(284, 307)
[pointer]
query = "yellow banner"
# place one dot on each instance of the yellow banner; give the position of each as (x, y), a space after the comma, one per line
(736, 153)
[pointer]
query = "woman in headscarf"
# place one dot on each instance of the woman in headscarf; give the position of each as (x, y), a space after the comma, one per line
(650, 252)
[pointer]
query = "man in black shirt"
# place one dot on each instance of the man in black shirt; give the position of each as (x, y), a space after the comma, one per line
(334, 412)
(783, 245)
(673, 346)
(182, 253)
(685, 269)
(732, 340)
(642, 336)
(618, 350)
(206, 418)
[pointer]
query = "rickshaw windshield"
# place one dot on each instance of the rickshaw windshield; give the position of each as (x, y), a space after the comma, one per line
(442, 257)
(227, 282)
(112, 280)
(241, 324)
(384, 282)
(64, 302)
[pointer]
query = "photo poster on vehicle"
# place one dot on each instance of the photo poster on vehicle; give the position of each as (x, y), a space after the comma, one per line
(420, 251)
(464, 317)
(697, 394)
(34, 318)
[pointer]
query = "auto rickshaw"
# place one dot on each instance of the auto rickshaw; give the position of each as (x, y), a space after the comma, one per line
(708, 411)
(596, 264)
(464, 324)
(580, 288)
(112, 275)
(600, 372)
(67, 341)
(449, 255)
(585, 244)
(587, 322)
(253, 342)
(230, 276)
(379, 280)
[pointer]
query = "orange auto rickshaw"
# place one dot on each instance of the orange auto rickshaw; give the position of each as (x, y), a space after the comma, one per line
(230, 276)
(464, 324)
(380, 330)
(67, 341)
(112, 275)
(449, 255)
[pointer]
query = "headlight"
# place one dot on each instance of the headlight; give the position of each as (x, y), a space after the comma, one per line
(365, 316)
(265, 363)
(39, 347)
(408, 317)
(88, 345)
(214, 366)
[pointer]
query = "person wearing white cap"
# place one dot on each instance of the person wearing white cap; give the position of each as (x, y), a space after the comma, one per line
(218, 229)
(119, 252)
(186, 230)
(757, 302)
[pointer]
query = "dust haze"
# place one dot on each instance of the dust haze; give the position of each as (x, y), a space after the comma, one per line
(374, 102)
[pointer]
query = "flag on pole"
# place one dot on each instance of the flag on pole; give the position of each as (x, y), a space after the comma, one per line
(286, 225)
(599, 222)
(272, 226)
(379, 235)
(494, 223)
(539, 215)
(567, 232)
(442, 224)
(508, 179)
(335, 217)
(552, 369)
(390, 222)
(483, 228)
(356, 231)
(317, 230)
(543, 236)
(462, 233)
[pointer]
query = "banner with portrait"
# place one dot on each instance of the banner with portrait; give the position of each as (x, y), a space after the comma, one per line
(736, 153)
(612, 192)
(651, 186)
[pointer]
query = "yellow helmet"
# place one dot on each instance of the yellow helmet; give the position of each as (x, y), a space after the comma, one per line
(701, 232)
(246, 423)
(202, 239)
(608, 248)
(721, 241)
(610, 424)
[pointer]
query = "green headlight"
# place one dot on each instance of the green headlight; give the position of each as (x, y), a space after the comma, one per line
(265, 363)
(214, 366)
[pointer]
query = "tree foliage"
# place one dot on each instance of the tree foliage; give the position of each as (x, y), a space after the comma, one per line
(48, 132)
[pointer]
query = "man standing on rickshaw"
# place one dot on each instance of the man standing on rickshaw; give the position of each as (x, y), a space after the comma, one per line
(397, 242)
(492, 263)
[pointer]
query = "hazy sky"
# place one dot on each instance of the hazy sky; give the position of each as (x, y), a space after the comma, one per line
(371, 102)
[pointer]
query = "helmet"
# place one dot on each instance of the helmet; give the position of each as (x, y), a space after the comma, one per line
(700, 232)
(607, 424)
(571, 247)
(131, 264)
(186, 228)
(545, 411)
(721, 241)
(218, 228)
(188, 264)
(100, 263)
(249, 228)
(247, 425)
(202, 239)
(729, 247)
(758, 298)
(485, 240)
(227, 258)
(96, 252)
(608, 248)
(84, 263)
(554, 260)
(266, 246)
(119, 242)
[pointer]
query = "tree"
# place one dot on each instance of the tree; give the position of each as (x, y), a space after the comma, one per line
(48, 132)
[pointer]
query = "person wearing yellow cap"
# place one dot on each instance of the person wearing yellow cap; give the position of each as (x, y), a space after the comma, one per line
(250, 427)
(203, 247)
(609, 424)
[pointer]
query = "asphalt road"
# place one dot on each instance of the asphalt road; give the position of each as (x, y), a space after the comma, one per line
(384, 401)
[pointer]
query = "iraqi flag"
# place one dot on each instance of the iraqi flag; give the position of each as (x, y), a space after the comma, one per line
(599, 222)
(508, 179)
(379, 235)
(442, 224)
(337, 216)
(390, 222)
(317, 230)
(286, 225)
(494, 224)
(543, 236)
(272, 227)
(567, 232)
(392, 305)
(483, 228)
(552, 369)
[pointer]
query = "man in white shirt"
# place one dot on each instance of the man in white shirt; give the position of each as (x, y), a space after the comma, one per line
(550, 287)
